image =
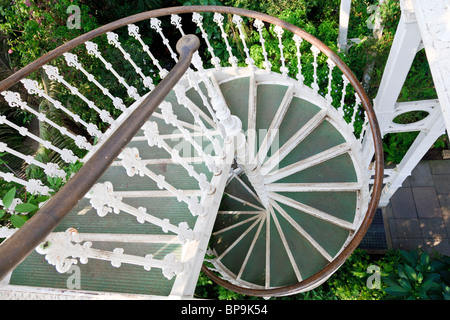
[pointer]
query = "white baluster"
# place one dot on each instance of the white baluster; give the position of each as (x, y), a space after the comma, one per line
(298, 40)
(315, 52)
(134, 165)
(176, 21)
(33, 186)
(33, 88)
(171, 118)
(13, 99)
(155, 24)
(345, 83)
(218, 18)
(53, 74)
(231, 124)
(259, 26)
(197, 18)
(364, 127)
(331, 66)
(180, 93)
(238, 21)
(133, 31)
(104, 201)
(61, 249)
(152, 134)
(66, 154)
(355, 111)
(72, 61)
(50, 169)
(92, 49)
(113, 39)
(279, 31)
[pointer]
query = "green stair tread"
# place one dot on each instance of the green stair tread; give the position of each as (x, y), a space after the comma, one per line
(337, 169)
(185, 148)
(237, 189)
(226, 238)
(98, 275)
(236, 95)
(328, 235)
(195, 97)
(268, 98)
(342, 205)
(281, 270)
(163, 128)
(86, 220)
(229, 203)
(324, 137)
(179, 110)
(175, 175)
(235, 257)
(307, 258)
(300, 111)
(255, 270)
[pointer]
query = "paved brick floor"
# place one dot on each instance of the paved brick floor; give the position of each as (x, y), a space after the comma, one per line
(419, 212)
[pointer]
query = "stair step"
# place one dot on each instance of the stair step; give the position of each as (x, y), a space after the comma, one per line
(122, 230)
(98, 275)
(313, 183)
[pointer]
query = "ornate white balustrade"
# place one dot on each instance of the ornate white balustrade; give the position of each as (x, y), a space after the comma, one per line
(62, 250)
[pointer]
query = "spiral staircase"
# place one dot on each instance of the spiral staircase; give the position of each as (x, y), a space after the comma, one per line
(251, 164)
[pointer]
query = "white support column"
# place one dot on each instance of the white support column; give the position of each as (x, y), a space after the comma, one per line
(404, 48)
(344, 17)
(407, 42)
(423, 142)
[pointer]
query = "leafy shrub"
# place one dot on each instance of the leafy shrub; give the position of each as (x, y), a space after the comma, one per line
(418, 276)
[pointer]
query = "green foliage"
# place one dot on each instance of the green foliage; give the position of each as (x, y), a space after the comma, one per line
(35, 27)
(403, 275)
(419, 277)
(396, 145)
(21, 212)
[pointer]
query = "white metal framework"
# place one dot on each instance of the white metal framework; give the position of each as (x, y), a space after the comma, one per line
(423, 25)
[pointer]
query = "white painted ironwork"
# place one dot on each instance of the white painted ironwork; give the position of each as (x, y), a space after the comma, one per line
(113, 39)
(53, 74)
(62, 249)
(259, 26)
(133, 31)
(66, 154)
(72, 61)
(92, 49)
(218, 18)
(198, 19)
(229, 146)
(33, 186)
(33, 88)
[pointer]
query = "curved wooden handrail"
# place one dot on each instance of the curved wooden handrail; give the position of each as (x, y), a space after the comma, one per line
(375, 130)
(30, 235)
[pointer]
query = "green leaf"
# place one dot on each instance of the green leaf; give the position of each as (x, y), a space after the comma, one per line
(25, 207)
(405, 283)
(9, 197)
(409, 257)
(401, 272)
(2, 213)
(410, 272)
(17, 221)
(424, 258)
(396, 290)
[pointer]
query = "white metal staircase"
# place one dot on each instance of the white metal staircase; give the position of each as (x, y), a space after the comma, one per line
(262, 153)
